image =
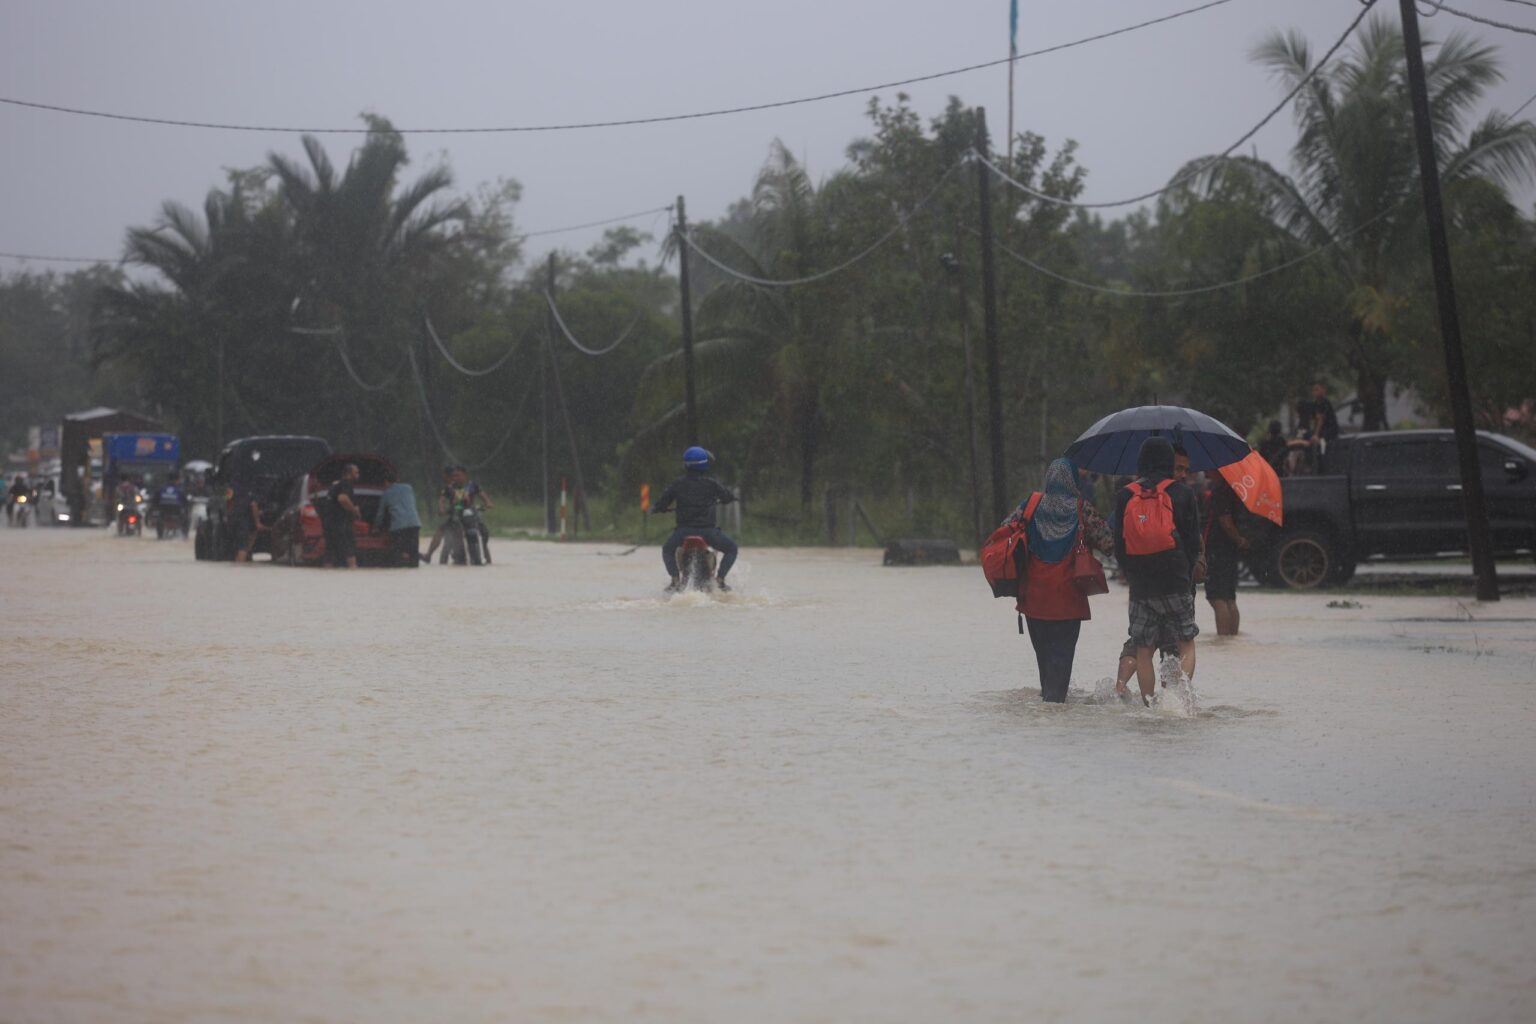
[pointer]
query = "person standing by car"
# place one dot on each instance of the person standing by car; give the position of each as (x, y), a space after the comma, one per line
(1225, 547)
(340, 513)
(1322, 425)
(397, 515)
(247, 524)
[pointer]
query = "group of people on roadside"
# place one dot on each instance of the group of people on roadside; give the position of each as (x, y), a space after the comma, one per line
(1156, 538)
(396, 515)
(1305, 452)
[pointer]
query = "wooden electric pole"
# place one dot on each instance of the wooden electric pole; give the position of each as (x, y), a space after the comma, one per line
(544, 403)
(1450, 325)
(989, 323)
(690, 400)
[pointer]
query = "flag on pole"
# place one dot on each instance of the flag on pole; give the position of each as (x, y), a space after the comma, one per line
(1013, 28)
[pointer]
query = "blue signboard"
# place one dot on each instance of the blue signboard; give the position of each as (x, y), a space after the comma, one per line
(143, 448)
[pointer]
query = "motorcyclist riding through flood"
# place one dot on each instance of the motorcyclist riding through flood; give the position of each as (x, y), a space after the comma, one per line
(695, 495)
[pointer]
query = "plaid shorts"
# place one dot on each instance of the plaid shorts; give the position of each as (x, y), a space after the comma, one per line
(1163, 621)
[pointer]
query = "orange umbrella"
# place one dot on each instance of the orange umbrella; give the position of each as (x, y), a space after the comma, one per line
(1257, 484)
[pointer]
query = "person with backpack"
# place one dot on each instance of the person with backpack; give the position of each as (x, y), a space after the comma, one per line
(1056, 521)
(1156, 526)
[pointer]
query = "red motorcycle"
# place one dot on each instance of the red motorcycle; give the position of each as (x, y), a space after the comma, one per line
(696, 565)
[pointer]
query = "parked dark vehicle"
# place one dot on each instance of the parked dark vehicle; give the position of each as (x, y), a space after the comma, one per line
(251, 467)
(1396, 494)
(298, 535)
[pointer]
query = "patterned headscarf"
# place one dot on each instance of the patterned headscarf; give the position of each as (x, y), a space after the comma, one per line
(1053, 528)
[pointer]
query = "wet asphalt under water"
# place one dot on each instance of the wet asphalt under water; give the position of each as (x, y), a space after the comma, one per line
(543, 792)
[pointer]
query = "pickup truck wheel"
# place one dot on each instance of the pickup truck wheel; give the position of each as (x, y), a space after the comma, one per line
(1303, 560)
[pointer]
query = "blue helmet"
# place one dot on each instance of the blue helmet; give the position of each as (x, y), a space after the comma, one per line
(696, 458)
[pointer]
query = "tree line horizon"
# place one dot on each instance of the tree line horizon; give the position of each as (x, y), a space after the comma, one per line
(305, 286)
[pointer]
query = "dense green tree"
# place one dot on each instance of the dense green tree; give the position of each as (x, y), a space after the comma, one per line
(1355, 182)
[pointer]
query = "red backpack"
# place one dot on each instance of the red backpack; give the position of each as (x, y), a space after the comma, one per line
(1148, 524)
(1002, 556)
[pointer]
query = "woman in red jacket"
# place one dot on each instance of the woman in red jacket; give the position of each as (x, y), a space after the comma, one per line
(1052, 605)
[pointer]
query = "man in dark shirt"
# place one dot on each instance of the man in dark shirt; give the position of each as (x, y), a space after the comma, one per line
(1162, 610)
(341, 512)
(1322, 424)
(1274, 447)
(696, 494)
(1225, 551)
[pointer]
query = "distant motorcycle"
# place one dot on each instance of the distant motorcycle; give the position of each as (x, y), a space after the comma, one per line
(170, 520)
(130, 517)
(23, 511)
(467, 523)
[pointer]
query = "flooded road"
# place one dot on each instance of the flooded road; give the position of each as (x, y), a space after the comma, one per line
(542, 792)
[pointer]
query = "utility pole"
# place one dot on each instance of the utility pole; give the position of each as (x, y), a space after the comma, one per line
(219, 405)
(1450, 325)
(952, 264)
(690, 400)
(570, 439)
(989, 323)
(544, 403)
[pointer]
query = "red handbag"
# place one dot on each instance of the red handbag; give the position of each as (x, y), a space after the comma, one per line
(1087, 573)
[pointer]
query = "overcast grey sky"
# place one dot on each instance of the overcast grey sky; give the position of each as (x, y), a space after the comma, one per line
(1139, 105)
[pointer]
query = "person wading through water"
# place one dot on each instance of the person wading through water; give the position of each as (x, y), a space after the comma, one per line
(1157, 544)
(1053, 606)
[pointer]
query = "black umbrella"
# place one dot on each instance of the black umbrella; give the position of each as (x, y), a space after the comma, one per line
(1111, 445)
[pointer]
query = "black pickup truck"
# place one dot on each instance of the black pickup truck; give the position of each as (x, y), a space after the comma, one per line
(1396, 494)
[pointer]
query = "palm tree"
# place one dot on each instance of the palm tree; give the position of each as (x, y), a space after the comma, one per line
(357, 236)
(1355, 179)
(772, 349)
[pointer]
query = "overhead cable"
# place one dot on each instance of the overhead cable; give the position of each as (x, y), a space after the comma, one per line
(560, 321)
(517, 238)
(901, 222)
(594, 224)
(1489, 21)
(1184, 176)
(54, 259)
(1204, 289)
(790, 282)
(432, 333)
(426, 409)
(573, 126)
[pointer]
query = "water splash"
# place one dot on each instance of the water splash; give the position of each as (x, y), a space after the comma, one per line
(1176, 691)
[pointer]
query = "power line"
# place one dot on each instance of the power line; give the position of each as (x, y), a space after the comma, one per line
(442, 443)
(1184, 176)
(518, 237)
(560, 321)
(56, 259)
(901, 222)
(1204, 289)
(595, 223)
(624, 122)
(1489, 21)
(1523, 3)
(432, 333)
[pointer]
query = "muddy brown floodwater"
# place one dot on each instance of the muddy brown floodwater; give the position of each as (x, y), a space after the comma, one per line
(541, 792)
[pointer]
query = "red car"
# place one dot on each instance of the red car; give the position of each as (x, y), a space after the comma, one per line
(297, 535)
